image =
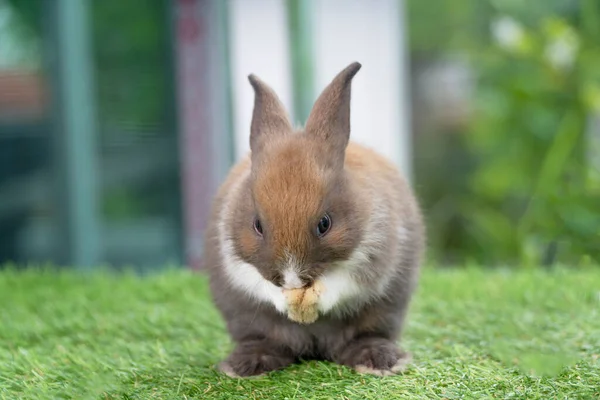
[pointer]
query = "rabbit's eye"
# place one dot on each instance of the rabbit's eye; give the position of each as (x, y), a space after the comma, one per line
(258, 227)
(324, 225)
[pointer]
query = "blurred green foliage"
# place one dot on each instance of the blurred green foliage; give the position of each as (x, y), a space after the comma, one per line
(522, 188)
(132, 44)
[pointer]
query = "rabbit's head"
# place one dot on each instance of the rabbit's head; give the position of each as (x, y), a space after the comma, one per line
(301, 216)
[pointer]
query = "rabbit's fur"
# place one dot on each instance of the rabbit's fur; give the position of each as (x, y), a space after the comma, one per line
(366, 264)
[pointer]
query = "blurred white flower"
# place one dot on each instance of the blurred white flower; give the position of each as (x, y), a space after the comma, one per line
(562, 50)
(447, 88)
(508, 32)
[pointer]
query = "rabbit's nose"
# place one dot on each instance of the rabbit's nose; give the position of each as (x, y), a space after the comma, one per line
(291, 280)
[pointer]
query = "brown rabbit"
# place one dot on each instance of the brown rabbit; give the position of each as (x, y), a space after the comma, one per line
(314, 243)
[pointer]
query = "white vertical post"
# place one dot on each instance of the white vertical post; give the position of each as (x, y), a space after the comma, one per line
(259, 45)
(372, 33)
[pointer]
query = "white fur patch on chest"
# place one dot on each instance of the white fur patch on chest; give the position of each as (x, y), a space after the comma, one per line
(246, 277)
(340, 283)
(338, 286)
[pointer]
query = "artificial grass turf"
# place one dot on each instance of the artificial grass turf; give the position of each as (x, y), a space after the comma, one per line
(473, 334)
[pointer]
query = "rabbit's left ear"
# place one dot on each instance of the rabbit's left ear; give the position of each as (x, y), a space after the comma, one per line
(330, 116)
(269, 118)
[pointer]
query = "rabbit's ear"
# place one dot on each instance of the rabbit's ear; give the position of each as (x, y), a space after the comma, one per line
(269, 118)
(330, 116)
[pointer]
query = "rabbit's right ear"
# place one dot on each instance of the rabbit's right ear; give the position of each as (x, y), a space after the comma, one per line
(330, 116)
(269, 118)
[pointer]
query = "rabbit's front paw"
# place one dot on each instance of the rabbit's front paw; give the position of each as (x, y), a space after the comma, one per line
(303, 304)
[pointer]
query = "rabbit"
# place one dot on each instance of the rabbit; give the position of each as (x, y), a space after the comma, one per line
(314, 243)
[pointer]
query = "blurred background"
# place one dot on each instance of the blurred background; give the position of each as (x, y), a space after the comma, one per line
(118, 119)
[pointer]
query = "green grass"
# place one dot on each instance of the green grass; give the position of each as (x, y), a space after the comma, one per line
(473, 334)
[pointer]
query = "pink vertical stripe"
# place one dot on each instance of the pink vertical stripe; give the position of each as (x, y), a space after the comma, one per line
(194, 121)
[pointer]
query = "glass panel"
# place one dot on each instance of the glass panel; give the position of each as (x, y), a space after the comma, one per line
(138, 176)
(27, 212)
(138, 138)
